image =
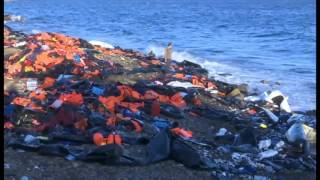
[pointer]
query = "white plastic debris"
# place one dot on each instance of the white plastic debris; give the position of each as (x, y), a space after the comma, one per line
(16, 18)
(279, 146)
(265, 96)
(64, 76)
(19, 44)
(180, 84)
(45, 47)
(252, 98)
(297, 118)
(29, 138)
(221, 132)
(56, 104)
(270, 114)
(264, 144)
(32, 84)
(158, 83)
(212, 91)
(299, 131)
(284, 105)
(267, 154)
(102, 44)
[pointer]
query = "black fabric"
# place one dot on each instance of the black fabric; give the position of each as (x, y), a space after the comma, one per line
(170, 111)
(184, 154)
(159, 147)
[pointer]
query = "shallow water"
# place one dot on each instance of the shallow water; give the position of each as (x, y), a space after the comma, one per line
(252, 40)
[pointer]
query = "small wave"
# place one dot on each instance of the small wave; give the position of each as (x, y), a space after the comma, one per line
(102, 44)
(222, 26)
(301, 71)
(272, 34)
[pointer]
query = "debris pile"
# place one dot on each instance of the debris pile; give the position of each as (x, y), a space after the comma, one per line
(67, 97)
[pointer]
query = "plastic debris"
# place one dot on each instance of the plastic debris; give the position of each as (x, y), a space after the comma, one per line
(264, 144)
(32, 84)
(267, 154)
(272, 116)
(222, 132)
(279, 146)
(299, 131)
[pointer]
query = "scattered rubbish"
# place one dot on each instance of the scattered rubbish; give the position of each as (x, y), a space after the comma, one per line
(272, 116)
(298, 118)
(32, 84)
(29, 139)
(222, 132)
(90, 101)
(267, 154)
(264, 144)
(279, 146)
(299, 131)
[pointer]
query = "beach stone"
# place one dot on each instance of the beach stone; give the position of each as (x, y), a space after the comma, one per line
(234, 92)
(265, 81)
(8, 51)
(243, 88)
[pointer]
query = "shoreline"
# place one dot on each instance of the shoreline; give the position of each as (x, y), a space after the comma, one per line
(216, 104)
(253, 91)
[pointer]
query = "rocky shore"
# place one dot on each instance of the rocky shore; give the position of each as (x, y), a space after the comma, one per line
(175, 122)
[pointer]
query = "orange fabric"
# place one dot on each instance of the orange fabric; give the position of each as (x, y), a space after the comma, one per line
(114, 139)
(155, 62)
(182, 132)
(137, 126)
(48, 82)
(211, 85)
(21, 101)
(155, 108)
(44, 59)
(42, 95)
(132, 106)
(179, 75)
(126, 91)
(39, 68)
(98, 139)
(112, 121)
(73, 98)
(143, 64)
(109, 102)
(81, 124)
(252, 111)
(197, 101)
(178, 101)
(221, 94)
(8, 125)
(196, 81)
(14, 68)
(36, 107)
(91, 74)
(150, 94)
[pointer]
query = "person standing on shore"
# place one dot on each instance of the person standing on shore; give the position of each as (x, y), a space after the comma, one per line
(168, 53)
